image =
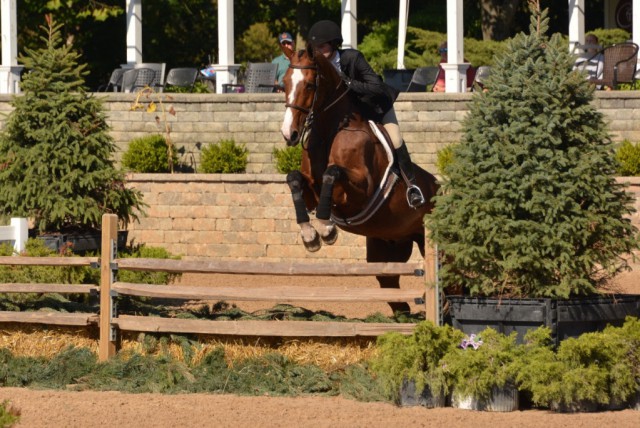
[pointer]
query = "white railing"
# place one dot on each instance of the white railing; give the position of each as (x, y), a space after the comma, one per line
(17, 232)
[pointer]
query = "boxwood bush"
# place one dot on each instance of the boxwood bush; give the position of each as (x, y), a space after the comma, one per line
(288, 159)
(628, 157)
(224, 157)
(150, 154)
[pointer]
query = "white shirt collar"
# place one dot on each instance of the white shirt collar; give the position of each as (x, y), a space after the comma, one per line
(336, 60)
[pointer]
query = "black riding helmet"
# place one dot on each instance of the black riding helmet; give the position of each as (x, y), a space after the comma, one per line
(325, 32)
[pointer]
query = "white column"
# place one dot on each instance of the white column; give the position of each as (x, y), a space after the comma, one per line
(134, 32)
(349, 24)
(10, 70)
(403, 18)
(456, 69)
(635, 22)
(226, 70)
(576, 23)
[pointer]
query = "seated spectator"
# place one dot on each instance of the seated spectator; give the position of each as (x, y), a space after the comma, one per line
(590, 60)
(439, 86)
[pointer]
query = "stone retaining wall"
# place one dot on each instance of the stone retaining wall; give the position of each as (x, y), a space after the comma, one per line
(239, 217)
(429, 121)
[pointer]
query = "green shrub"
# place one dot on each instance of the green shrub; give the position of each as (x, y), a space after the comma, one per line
(444, 158)
(150, 154)
(224, 157)
(594, 369)
(56, 149)
(476, 372)
(9, 415)
(531, 207)
(415, 358)
(288, 159)
(628, 157)
(142, 277)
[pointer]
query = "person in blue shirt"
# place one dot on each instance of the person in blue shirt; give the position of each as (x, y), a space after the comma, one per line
(284, 39)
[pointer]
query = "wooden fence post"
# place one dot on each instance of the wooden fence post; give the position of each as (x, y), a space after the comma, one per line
(432, 292)
(107, 346)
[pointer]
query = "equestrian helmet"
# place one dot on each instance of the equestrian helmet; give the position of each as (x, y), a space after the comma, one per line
(325, 32)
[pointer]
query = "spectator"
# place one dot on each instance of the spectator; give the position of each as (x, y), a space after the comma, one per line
(439, 86)
(590, 60)
(284, 39)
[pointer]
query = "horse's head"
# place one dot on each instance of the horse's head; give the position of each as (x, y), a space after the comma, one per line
(308, 83)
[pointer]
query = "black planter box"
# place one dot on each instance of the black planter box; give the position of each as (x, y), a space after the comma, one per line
(410, 397)
(565, 317)
(80, 242)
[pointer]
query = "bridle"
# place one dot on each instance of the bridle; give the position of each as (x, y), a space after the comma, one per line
(311, 109)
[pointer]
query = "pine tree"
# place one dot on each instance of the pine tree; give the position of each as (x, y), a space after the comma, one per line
(530, 206)
(56, 155)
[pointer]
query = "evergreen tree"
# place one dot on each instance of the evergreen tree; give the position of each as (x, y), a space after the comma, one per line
(530, 206)
(56, 153)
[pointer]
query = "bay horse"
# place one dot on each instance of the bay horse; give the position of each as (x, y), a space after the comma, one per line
(347, 175)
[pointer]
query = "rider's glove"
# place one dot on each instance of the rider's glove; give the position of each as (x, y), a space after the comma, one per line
(345, 78)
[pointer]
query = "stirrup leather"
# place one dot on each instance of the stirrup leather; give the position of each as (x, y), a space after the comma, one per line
(412, 192)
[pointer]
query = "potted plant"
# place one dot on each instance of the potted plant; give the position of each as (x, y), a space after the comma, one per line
(595, 371)
(56, 154)
(530, 208)
(482, 370)
(409, 366)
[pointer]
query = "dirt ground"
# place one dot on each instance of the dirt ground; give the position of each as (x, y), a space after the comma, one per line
(89, 408)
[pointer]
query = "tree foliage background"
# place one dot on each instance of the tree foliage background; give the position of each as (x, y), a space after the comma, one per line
(185, 32)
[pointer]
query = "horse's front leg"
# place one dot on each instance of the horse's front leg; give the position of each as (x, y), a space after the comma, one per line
(310, 237)
(328, 230)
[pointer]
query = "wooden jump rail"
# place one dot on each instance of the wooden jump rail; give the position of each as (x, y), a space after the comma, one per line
(51, 318)
(109, 321)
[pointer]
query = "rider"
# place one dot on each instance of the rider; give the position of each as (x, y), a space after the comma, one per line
(376, 96)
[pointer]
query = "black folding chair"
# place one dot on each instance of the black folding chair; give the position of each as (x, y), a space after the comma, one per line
(398, 79)
(260, 78)
(423, 78)
(482, 74)
(138, 78)
(183, 77)
(115, 81)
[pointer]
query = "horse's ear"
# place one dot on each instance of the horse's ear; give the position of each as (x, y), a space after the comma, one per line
(310, 51)
(287, 51)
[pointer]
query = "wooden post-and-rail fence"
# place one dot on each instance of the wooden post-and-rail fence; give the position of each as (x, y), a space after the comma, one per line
(109, 321)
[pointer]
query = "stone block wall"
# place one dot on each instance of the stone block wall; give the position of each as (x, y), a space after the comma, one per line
(241, 217)
(230, 217)
(429, 121)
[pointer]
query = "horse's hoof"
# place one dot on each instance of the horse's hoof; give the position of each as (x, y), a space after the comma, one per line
(314, 245)
(332, 237)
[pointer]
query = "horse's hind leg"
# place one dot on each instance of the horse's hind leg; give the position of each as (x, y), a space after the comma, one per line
(310, 237)
(381, 251)
(328, 230)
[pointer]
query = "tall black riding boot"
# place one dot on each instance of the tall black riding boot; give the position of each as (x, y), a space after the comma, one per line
(415, 199)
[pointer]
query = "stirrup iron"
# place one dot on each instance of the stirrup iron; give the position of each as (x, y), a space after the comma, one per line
(413, 201)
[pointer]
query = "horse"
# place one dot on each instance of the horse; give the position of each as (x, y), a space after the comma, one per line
(347, 174)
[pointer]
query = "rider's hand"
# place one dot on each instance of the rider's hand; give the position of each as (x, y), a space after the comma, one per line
(345, 78)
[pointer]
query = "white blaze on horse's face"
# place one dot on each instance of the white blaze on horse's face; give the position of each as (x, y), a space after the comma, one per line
(297, 79)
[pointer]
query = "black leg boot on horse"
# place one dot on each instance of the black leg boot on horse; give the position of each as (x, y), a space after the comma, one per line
(415, 199)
